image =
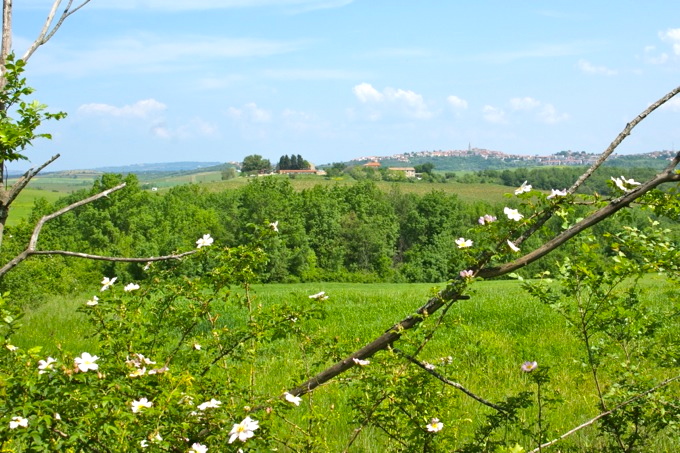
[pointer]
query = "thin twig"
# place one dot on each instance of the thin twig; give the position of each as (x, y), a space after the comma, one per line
(447, 381)
(609, 412)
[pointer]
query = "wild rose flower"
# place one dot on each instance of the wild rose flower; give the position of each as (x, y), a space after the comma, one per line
(319, 296)
(512, 246)
(86, 362)
(138, 372)
(630, 182)
(528, 367)
(523, 188)
(92, 302)
(17, 422)
(244, 430)
(557, 193)
(131, 287)
(138, 405)
(513, 214)
(205, 241)
(469, 273)
(45, 365)
(486, 219)
(292, 398)
(198, 448)
(623, 183)
(213, 403)
(158, 370)
(463, 243)
(434, 426)
(107, 283)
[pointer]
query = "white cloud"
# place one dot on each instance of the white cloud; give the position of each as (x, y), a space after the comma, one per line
(366, 93)
(390, 100)
(549, 115)
(493, 114)
(194, 128)
(589, 68)
(672, 105)
(672, 35)
(545, 113)
(525, 103)
(140, 109)
(652, 57)
(250, 113)
(457, 103)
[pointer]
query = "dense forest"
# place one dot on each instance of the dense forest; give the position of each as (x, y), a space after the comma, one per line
(353, 233)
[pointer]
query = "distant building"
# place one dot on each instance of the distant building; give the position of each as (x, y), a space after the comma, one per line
(372, 164)
(302, 172)
(410, 172)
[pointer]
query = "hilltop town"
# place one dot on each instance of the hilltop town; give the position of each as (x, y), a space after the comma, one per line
(560, 158)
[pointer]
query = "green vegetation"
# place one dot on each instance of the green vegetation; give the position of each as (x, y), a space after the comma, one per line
(487, 339)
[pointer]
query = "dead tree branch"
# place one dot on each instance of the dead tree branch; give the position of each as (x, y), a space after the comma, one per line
(33, 242)
(46, 33)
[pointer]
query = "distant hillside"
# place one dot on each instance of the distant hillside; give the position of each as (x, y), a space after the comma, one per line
(162, 167)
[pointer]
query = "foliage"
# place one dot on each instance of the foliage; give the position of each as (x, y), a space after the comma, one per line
(17, 134)
(292, 162)
(255, 163)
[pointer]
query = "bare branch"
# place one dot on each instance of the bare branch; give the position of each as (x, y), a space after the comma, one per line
(18, 186)
(46, 34)
(117, 259)
(605, 414)
(380, 343)
(448, 381)
(617, 141)
(33, 242)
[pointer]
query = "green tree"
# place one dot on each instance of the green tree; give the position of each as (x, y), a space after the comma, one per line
(229, 173)
(427, 168)
(255, 163)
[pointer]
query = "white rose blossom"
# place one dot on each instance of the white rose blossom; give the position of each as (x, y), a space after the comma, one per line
(205, 241)
(86, 362)
(292, 398)
(244, 430)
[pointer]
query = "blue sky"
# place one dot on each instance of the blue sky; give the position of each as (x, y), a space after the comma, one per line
(148, 81)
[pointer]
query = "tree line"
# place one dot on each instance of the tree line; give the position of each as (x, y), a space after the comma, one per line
(353, 233)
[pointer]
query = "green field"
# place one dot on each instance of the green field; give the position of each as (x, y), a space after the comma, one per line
(487, 337)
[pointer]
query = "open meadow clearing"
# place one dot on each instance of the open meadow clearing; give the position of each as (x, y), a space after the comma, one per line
(481, 345)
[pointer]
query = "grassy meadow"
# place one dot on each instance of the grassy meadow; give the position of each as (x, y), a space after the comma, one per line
(487, 337)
